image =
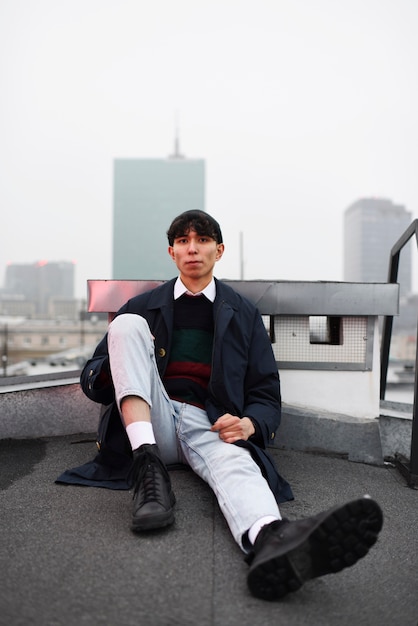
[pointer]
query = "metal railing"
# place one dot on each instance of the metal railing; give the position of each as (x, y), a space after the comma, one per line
(409, 469)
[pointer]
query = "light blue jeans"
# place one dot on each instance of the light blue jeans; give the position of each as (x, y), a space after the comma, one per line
(182, 431)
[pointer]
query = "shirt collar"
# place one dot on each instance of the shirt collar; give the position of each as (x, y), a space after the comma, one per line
(209, 291)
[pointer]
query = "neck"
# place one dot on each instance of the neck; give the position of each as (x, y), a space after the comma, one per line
(195, 285)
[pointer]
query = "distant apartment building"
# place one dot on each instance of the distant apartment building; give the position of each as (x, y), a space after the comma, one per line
(56, 341)
(148, 194)
(371, 227)
(33, 288)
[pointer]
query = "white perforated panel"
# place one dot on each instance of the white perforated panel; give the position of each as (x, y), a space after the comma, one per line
(292, 343)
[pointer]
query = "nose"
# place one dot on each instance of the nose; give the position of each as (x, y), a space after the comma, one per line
(192, 247)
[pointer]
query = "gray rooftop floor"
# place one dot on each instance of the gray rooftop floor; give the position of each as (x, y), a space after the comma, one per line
(67, 556)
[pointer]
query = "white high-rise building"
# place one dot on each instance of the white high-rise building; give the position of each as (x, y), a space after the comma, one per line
(371, 228)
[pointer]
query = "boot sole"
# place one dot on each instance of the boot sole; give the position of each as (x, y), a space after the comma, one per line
(157, 520)
(339, 540)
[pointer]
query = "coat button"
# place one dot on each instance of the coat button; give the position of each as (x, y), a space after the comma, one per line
(161, 352)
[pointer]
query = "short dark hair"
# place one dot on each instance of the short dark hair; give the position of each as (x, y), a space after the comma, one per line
(201, 222)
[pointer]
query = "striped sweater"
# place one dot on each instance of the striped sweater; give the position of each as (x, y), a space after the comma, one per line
(189, 367)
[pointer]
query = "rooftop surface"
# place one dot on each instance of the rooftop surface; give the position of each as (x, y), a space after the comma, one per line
(68, 557)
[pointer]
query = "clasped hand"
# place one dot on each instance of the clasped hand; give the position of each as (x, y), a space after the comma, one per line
(232, 428)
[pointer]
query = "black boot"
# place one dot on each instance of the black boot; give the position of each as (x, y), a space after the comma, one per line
(286, 554)
(153, 498)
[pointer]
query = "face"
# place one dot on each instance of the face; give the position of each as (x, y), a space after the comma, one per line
(195, 256)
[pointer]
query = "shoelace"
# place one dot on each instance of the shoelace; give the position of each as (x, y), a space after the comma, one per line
(144, 474)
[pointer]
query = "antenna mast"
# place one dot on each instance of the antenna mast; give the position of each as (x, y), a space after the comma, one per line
(177, 154)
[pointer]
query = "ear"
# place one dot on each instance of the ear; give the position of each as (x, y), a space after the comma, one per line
(171, 252)
(220, 249)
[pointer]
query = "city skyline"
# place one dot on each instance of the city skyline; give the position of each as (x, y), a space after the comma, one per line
(354, 235)
(298, 110)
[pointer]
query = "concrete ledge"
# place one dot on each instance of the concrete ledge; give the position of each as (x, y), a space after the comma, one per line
(395, 424)
(357, 439)
(45, 408)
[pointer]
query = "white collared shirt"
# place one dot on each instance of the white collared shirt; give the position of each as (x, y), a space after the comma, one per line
(209, 291)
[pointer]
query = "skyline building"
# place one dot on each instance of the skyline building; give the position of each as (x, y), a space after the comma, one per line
(39, 283)
(371, 228)
(148, 195)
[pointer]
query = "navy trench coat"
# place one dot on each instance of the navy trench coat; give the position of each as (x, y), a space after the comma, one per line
(244, 382)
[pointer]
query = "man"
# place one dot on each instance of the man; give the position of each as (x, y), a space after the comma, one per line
(189, 370)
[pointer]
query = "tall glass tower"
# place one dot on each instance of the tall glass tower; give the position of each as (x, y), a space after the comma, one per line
(148, 195)
(371, 227)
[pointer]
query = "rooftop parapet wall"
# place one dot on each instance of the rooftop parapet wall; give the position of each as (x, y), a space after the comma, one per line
(271, 297)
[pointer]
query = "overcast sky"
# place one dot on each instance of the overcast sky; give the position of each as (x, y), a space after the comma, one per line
(299, 108)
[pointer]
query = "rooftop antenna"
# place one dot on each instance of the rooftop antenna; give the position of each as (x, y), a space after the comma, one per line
(177, 154)
(241, 255)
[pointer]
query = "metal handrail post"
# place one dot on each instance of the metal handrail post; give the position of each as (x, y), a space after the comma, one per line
(387, 327)
(385, 348)
(413, 463)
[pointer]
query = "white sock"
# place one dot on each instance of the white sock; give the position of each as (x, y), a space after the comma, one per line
(140, 433)
(258, 525)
